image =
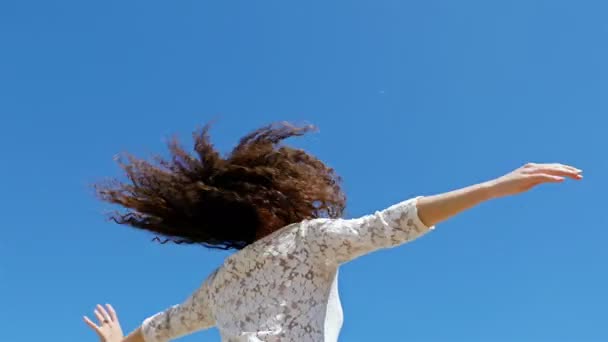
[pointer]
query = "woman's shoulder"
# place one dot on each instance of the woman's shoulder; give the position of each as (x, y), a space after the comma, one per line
(285, 241)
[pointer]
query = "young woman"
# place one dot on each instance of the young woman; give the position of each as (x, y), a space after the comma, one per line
(281, 208)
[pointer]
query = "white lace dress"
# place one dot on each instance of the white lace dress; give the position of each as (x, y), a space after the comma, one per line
(284, 286)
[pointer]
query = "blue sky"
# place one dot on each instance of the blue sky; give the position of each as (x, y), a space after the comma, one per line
(411, 97)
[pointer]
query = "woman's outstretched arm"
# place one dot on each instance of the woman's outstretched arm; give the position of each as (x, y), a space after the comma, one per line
(345, 240)
(435, 209)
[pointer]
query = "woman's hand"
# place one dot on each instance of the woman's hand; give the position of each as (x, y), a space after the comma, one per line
(109, 329)
(531, 175)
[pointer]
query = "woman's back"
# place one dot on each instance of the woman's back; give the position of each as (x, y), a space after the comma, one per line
(284, 286)
(277, 290)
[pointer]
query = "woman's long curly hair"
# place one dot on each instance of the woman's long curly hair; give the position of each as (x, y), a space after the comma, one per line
(225, 202)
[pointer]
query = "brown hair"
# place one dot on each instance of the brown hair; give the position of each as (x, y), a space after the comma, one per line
(228, 202)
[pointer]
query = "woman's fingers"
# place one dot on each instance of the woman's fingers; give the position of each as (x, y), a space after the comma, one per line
(104, 313)
(557, 170)
(112, 313)
(562, 173)
(99, 316)
(547, 178)
(92, 324)
(570, 167)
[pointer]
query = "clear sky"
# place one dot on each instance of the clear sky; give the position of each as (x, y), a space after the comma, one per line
(411, 97)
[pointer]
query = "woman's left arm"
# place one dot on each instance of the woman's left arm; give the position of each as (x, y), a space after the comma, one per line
(135, 336)
(194, 314)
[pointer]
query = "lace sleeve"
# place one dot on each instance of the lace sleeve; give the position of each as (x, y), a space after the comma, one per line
(194, 314)
(344, 240)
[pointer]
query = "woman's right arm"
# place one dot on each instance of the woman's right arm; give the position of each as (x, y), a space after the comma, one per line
(438, 208)
(344, 240)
